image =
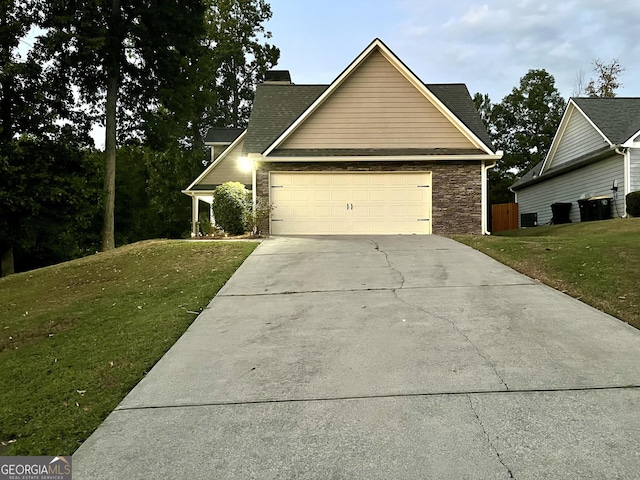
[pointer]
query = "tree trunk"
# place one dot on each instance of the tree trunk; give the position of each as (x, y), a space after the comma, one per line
(7, 263)
(108, 226)
(113, 72)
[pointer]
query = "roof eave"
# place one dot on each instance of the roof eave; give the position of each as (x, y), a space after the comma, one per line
(580, 163)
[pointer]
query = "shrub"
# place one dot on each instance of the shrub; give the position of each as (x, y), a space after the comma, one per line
(230, 206)
(205, 225)
(633, 204)
(255, 218)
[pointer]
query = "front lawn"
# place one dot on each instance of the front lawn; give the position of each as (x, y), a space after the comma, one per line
(75, 338)
(596, 262)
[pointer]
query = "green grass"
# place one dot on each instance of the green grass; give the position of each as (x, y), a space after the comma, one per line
(75, 338)
(596, 262)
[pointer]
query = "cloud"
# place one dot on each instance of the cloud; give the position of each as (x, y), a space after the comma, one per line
(499, 41)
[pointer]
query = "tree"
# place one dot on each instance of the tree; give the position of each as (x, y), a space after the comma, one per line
(485, 108)
(607, 79)
(49, 198)
(526, 120)
(524, 125)
(235, 34)
(122, 58)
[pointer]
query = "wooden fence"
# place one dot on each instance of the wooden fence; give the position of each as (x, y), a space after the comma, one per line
(504, 216)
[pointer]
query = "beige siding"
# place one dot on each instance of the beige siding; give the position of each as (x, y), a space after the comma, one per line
(227, 170)
(591, 181)
(377, 107)
(579, 138)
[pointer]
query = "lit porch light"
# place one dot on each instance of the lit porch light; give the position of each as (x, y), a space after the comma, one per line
(245, 164)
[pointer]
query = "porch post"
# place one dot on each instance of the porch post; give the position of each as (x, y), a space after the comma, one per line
(194, 216)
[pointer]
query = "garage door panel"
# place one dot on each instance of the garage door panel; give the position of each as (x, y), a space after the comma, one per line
(322, 195)
(339, 195)
(350, 203)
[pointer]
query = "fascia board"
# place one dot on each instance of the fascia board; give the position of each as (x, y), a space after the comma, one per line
(566, 117)
(594, 125)
(373, 158)
(631, 140)
(217, 161)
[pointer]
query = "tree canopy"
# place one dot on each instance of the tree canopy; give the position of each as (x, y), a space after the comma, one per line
(157, 74)
(523, 125)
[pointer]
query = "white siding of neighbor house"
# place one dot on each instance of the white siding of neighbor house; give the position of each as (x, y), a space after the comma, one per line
(228, 170)
(377, 107)
(579, 138)
(635, 169)
(591, 181)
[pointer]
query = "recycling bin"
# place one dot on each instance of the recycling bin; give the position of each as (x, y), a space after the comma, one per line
(585, 212)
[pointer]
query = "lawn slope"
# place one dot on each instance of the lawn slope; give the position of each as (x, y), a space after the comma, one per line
(75, 338)
(596, 262)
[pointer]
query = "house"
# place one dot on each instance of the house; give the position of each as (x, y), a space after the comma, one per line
(595, 153)
(375, 152)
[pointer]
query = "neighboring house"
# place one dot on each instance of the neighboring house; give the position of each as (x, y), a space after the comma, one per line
(596, 152)
(375, 152)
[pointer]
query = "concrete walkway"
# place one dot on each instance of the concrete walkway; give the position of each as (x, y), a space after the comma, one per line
(404, 357)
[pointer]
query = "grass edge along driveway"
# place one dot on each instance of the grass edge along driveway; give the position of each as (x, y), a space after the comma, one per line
(595, 262)
(76, 337)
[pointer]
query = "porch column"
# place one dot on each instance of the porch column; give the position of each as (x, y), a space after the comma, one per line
(194, 216)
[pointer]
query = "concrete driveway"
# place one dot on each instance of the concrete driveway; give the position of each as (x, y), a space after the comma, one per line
(403, 357)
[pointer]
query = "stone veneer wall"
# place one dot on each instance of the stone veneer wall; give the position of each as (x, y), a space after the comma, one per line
(456, 196)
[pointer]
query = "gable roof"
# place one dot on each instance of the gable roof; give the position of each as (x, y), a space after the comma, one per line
(278, 109)
(618, 118)
(223, 136)
(223, 155)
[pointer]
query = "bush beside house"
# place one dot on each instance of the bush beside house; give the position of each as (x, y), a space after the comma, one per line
(230, 206)
(633, 203)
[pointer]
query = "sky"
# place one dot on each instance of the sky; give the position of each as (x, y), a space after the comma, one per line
(488, 45)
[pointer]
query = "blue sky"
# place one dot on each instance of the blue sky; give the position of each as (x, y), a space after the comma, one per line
(487, 45)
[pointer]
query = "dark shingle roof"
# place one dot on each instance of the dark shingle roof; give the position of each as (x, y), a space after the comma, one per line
(276, 107)
(456, 98)
(529, 176)
(618, 118)
(223, 135)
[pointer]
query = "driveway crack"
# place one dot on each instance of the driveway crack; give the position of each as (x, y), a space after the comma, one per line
(459, 331)
(486, 434)
(393, 269)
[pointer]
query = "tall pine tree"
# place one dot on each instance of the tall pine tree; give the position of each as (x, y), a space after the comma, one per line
(120, 56)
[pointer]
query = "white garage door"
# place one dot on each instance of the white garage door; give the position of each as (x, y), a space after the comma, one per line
(350, 203)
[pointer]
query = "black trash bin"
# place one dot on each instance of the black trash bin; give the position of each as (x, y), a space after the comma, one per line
(560, 213)
(585, 211)
(600, 208)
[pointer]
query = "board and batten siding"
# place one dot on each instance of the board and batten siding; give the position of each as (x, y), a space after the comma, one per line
(591, 181)
(377, 107)
(635, 170)
(579, 138)
(228, 170)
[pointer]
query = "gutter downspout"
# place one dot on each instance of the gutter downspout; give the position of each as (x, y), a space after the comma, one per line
(626, 153)
(485, 193)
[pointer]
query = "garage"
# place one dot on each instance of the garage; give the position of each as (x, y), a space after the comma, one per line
(331, 203)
